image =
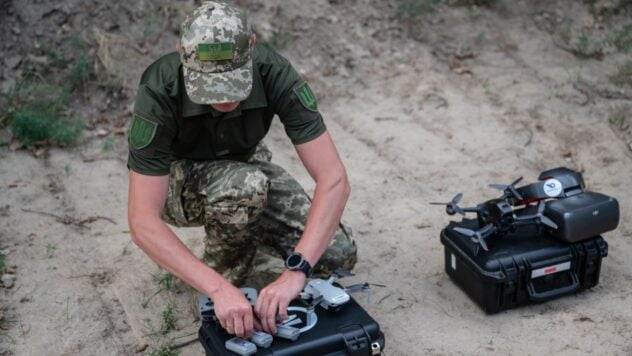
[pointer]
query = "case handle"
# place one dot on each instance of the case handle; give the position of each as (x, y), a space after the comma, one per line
(542, 296)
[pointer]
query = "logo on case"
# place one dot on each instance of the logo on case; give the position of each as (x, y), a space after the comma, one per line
(552, 187)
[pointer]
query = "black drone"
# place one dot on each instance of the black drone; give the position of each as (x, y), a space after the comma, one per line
(517, 206)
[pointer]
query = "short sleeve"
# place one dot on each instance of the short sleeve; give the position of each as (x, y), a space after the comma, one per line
(151, 133)
(291, 98)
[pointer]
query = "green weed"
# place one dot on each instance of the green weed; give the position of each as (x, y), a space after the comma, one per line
(148, 27)
(40, 126)
(51, 54)
(619, 117)
(35, 107)
(108, 145)
(50, 249)
(168, 319)
(79, 72)
(411, 10)
(165, 282)
(586, 46)
(165, 350)
(165, 346)
(622, 39)
(486, 3)
(623, 76)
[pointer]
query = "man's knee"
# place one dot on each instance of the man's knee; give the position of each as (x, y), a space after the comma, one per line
(241, 198)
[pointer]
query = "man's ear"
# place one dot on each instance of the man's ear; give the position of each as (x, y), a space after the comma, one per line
(178, 47)
(253, 39)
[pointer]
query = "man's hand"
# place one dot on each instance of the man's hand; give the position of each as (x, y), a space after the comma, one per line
(233, 311)
(275, 298)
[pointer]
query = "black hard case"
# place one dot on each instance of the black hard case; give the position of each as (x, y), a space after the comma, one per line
(348, 331)
(582, 216)
(526, 266)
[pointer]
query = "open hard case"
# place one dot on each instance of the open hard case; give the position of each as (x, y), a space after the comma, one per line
(347, 331)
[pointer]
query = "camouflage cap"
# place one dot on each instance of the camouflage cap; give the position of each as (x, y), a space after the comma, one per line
(216, 54)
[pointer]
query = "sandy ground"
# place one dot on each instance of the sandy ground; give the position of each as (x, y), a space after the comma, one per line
(418, 115)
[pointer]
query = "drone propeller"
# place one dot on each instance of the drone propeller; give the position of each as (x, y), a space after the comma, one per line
(509, 188)
(539, 216)
(343, 273)
(480, 234)
(364, 288)
(452, 207)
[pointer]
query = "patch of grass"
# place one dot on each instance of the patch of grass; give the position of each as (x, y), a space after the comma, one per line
(165, 282)
(485, 3)
(44, 126)
(36, 107)
(79, 72)
(623, 76)
(108, 145)
(480, 38)
(622, 39)
(586, 46)
(164, 346)
(50, 249)
(620, 117)
(148, 27)
(168, 319)
(51, 54)
(165, 350)
(411, 10)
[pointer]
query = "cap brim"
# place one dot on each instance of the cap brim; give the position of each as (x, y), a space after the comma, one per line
(215, 88)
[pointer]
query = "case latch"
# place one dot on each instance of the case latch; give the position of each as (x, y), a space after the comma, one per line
(357, 341)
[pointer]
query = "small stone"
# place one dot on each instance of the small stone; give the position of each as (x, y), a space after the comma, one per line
(141, 348)
(8, 280)
(13, 61)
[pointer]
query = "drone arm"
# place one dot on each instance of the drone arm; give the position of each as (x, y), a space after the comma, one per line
(525, 222)
(471, 210)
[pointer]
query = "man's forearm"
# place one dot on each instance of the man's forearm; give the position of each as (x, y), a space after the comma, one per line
(330, 198)
(158, 241)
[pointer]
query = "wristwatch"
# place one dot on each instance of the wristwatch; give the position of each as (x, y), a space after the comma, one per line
(296, 262)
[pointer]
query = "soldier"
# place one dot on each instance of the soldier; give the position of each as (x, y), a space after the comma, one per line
(196, 159)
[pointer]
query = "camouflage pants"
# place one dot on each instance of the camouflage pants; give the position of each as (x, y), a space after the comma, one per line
(244, 206)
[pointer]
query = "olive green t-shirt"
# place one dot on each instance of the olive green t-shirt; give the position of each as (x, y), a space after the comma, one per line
(167, 126)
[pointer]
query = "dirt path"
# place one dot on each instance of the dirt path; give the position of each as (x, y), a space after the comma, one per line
(410, 129)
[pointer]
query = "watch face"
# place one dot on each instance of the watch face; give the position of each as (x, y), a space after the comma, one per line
(294, 260)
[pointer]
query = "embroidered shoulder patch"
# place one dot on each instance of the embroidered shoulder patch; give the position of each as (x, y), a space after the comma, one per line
(306, 97)
(142, 132)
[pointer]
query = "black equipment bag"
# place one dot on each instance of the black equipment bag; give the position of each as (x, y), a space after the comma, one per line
(526, 266)
(349, 331)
